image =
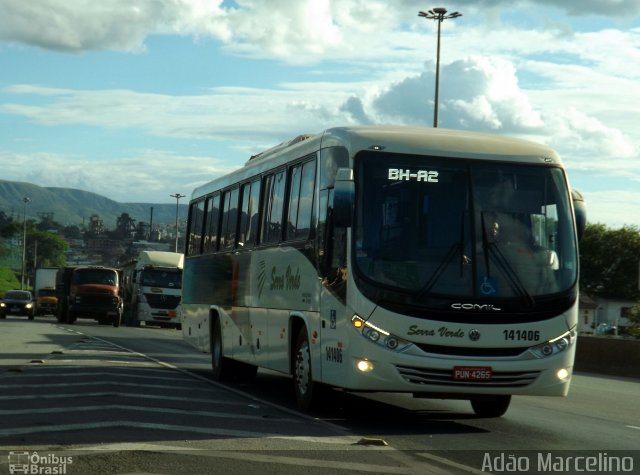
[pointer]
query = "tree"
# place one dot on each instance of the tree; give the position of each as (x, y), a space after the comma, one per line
(609, 262)
(10, 228)
(634, 319)
(50, 249)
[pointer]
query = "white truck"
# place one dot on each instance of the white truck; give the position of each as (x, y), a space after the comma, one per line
(44, 291)
(153, 288)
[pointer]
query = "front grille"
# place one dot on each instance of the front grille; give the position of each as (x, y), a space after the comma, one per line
(440, 377)
(167, 302)
(471, 351)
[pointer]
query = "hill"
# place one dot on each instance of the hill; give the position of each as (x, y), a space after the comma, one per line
(73, 207)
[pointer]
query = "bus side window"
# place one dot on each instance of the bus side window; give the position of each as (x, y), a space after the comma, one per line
(249, 214)
(301, 201)
(196, 217)
(271, 226)
(229, 219)
(332, 245)
(212, 223)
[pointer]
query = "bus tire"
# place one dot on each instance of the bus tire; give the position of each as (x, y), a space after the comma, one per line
(306, 390)
(221, 366)
(495, 406)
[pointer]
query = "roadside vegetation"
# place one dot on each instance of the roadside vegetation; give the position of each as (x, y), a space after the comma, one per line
(8, 281)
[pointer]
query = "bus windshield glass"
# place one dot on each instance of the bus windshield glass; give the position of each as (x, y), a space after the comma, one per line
(465, 228)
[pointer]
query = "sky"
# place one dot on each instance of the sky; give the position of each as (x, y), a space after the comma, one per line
(140, 99)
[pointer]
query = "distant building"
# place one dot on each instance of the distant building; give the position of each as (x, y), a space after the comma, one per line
(587, 314)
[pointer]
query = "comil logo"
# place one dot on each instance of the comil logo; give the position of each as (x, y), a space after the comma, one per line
(34, 463)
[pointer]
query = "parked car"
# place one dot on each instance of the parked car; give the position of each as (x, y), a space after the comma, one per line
(606, 329)
(17, 302)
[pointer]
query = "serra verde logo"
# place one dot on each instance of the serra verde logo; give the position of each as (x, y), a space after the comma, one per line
(277, 279)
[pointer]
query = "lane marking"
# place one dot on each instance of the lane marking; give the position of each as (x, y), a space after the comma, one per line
(161, 410)
(342, 440)
(121, 394)
(106, 383)
(104, 373)
(132, 424)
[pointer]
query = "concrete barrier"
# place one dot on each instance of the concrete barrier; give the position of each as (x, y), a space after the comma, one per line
(608, 355)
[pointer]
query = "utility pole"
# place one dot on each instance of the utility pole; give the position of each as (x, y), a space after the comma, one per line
(177, 196)
(25, 200)
(439, 15)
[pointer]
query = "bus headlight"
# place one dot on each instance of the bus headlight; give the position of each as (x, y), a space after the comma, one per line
(554, 346)
(379, 336)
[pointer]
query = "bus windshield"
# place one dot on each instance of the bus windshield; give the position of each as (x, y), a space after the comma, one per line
(465, 228)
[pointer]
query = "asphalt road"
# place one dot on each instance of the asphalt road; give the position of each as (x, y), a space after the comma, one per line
(139, 400)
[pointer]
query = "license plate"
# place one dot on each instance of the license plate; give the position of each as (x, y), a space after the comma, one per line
(15, 309)
(472, 373)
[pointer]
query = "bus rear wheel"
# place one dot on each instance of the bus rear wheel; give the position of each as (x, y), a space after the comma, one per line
(495, 406)
(221, 366)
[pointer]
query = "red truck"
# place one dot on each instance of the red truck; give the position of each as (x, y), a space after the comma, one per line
(89, 292)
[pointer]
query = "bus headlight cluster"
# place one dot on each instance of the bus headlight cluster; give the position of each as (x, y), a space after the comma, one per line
(379, 336)
(555, 346)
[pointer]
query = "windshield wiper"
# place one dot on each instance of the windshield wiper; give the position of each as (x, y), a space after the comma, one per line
(493, 252)
(444, 263)
(456, 247)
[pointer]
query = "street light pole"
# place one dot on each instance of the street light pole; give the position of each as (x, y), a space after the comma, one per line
(25, 200)
(438, 14)
(177, 196)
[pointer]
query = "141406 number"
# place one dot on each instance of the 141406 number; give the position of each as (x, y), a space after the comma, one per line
(521, 335)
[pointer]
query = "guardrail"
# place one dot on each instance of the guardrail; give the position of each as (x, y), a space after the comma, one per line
(608, 355)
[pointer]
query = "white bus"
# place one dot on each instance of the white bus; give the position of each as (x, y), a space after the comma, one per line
(435, 262)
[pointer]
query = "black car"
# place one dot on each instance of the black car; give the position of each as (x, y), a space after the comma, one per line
(17, 302)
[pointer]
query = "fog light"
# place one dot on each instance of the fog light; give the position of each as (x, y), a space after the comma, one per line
(365, 366)
(562, 374)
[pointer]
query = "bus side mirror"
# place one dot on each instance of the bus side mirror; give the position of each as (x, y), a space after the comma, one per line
(343, 198)
(580, 212)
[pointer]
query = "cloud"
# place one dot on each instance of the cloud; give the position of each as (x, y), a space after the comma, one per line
(186, 117)
(290, 29)
(477, 93)
(121, 25)
(611, 8)
(615, 208)
(126, 179)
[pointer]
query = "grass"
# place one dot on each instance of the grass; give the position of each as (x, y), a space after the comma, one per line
(8, 280)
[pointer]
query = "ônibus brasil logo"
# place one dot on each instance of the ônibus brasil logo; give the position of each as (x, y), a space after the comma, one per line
(34, 463)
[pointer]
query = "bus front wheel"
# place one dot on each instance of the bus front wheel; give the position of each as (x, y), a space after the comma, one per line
(221, 366)
(495, 406)
(305, 388)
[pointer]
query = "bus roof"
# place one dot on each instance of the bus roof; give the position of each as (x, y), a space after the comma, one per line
(398, 139)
